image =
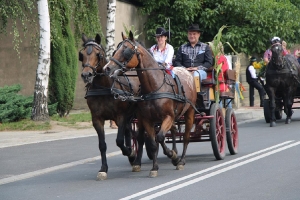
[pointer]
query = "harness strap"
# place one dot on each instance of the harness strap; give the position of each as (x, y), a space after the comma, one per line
(169, 95)
(98, 92)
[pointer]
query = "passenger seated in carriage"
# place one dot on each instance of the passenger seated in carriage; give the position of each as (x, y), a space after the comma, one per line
(162, 51)
(194, 55)
(221, 60)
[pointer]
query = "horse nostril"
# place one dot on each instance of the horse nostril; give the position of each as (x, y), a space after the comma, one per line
(90, 74)
(107, 69)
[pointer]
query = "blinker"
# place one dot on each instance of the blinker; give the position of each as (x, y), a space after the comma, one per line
(128, 53)
(80, 56)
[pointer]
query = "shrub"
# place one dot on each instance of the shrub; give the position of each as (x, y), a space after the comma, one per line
(13, 106)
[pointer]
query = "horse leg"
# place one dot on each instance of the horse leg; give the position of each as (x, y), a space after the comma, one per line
(272, 106)
(174, 133)
(99, 127)
(288, 103)
(189, 121)
(136, 165)
(166, 125)
(152, 147)
(128, 140)
(124, 133)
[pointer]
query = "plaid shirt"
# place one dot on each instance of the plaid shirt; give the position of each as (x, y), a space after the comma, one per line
(198, 56)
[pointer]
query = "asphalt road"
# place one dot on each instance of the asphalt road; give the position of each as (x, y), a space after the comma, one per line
(266, 167)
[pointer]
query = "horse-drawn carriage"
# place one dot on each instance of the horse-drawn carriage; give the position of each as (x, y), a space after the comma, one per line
(164, 107)
(279, 106)
(282, 85)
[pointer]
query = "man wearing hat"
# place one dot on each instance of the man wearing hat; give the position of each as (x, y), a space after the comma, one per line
(162, 51)
(252, 80)
(194, 55)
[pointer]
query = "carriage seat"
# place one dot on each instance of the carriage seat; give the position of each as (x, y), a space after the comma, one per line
(210, 80)
(229, 79)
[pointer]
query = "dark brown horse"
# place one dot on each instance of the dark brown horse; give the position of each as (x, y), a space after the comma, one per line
(102, 102)
(162, 102)
(282, 79)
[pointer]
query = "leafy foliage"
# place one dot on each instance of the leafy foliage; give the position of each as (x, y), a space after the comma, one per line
(63, 69)
(251, 24)
(86, 19)
(20, 14)
(13, 106)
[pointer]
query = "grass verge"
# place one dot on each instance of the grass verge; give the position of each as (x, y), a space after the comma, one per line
(29, 125)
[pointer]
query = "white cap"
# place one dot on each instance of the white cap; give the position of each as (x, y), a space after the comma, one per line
(275, 38)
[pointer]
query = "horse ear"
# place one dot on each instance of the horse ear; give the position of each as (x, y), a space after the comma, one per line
(98, 39)
(131, 36)
(124, 36)
(84, 38)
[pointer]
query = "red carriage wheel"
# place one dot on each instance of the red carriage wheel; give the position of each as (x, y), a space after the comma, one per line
(217, 132)
(231, 131)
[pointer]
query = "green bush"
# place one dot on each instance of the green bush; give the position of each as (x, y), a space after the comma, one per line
(13, 106)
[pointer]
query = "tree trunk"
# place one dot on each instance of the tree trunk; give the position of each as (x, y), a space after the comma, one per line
(110, 28)
(40, 105)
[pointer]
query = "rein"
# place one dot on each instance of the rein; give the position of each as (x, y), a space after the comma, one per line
(128, 54)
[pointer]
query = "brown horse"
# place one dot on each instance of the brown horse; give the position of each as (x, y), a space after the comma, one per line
(102, 104)
(162, 101)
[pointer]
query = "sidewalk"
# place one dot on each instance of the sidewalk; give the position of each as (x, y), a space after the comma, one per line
(11, 138)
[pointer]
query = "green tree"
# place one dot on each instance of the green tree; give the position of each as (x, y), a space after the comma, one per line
(85, 19)
(251, 23)
(63, 69)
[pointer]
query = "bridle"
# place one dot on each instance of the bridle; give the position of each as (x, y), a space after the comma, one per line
(89, 46)
(279, 57)
(128, 54)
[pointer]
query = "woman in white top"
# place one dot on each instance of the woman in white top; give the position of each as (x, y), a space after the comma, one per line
(162, 51)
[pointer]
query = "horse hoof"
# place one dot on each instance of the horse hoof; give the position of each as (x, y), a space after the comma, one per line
(153, 174)
(288, 121)
(136, 168)
(272, 124)
(174, 155)
(101, 176)
(179, 167)
(175, 161)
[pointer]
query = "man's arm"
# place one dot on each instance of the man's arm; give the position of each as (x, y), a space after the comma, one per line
(178, 58)
(208, 59)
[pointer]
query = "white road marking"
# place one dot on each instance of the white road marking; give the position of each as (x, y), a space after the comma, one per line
(210, 169)
(51, 169)
(218, 172)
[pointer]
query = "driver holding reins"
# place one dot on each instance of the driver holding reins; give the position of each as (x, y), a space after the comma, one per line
(194, 55)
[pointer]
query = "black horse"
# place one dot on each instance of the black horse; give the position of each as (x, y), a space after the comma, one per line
(282, 79)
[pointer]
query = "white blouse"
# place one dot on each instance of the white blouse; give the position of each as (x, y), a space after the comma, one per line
(163, 56)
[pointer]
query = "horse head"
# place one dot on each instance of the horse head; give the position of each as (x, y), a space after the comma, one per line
(277, 56)
(92, 57)
(126, 57)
